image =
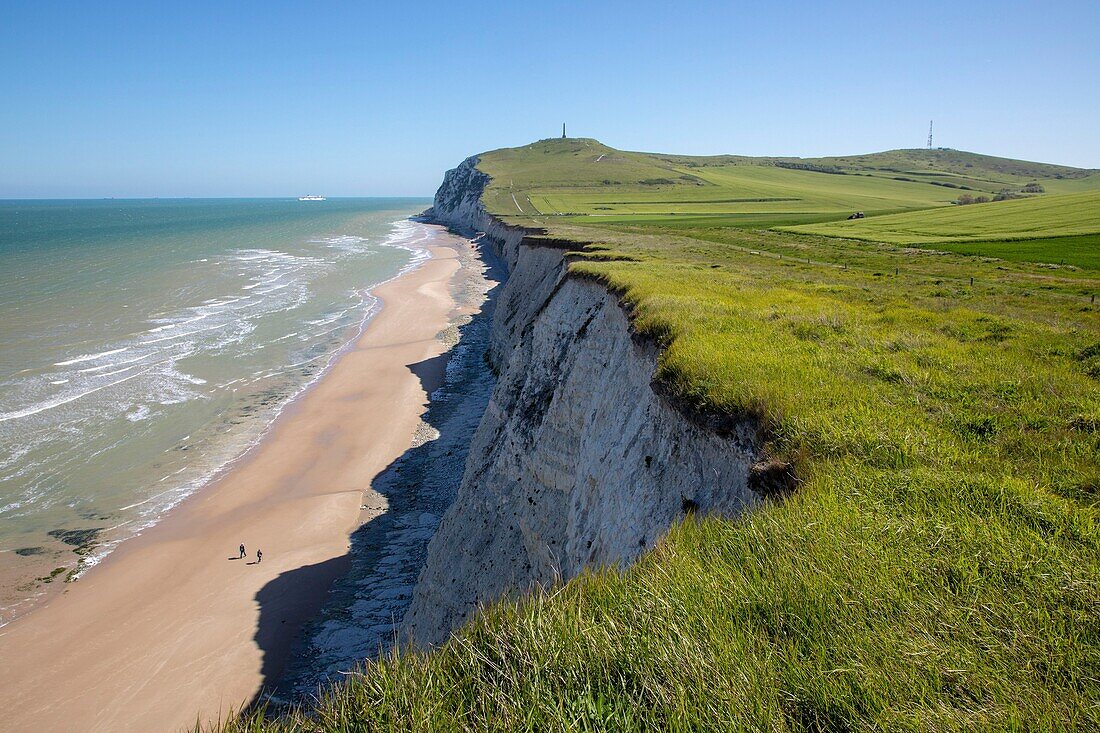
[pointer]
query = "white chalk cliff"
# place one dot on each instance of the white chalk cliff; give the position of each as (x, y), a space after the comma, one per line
(579, 459)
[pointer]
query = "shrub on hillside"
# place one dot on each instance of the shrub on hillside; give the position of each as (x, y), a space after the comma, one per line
(831, 169)
(966, 198)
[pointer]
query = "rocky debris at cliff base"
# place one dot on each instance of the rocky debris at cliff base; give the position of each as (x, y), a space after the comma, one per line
(362, 615)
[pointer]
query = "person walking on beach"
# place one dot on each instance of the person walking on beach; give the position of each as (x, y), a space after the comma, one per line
(242, 552)
(259, 556)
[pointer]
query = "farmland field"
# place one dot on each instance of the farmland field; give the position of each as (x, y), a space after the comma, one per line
(1040, 216)
(1082, 251)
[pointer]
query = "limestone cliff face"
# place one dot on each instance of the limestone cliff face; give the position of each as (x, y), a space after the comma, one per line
(458, 200)
(578, 460)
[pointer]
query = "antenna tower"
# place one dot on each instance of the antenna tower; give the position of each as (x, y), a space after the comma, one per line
(929, 134)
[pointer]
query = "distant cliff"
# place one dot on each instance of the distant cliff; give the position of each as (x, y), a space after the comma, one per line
(578, 460)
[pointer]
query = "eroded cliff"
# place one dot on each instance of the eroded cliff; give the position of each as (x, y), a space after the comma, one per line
(578, 460)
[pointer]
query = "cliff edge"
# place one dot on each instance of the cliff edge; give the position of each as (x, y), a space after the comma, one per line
(578, 460)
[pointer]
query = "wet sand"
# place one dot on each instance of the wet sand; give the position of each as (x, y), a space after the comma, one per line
(171, 626)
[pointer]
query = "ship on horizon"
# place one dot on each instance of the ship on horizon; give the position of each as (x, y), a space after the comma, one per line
(312, 197)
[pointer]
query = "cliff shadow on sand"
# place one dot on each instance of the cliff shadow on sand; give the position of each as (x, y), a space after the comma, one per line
(370, 586)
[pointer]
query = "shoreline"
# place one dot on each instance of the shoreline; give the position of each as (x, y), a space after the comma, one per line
(363, 612)
(168, 627)
(96, 550)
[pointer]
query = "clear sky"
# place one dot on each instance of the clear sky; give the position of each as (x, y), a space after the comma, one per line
(237, 98)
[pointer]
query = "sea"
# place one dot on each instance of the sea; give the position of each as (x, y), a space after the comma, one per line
(146, 344)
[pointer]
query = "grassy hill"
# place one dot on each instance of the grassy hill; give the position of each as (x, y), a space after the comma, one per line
(584, 177)
(980, 172)
(938, 566)
(940, 166)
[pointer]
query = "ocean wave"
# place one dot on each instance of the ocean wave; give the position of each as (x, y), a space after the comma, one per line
(120, 371)
(324, 321)
(349, 243)
(173, 337)
(273, 289)
(317, 334)
(141, 413)
(268, 281)
(42, 407)
(89, 357)
(177, 324)
(91, 370)
(283, 338)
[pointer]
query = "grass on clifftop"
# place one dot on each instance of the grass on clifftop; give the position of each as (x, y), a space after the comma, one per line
(937, 568)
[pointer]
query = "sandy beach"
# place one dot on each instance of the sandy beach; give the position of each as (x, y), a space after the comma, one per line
(172, 626)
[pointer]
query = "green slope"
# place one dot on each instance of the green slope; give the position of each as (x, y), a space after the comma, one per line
(980, 172)
(552, 164)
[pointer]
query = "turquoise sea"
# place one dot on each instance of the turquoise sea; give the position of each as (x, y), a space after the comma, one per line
(146, 343)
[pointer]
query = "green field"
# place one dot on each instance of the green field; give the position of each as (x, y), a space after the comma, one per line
(749, 189)
(938, 565)
(1041, 216)
(1055, 229)
(1083, 251)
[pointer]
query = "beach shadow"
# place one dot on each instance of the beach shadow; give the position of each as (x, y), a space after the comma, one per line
(360, 598)
(431, 371)
(286, 603)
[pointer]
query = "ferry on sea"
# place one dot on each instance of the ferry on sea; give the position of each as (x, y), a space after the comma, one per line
(311, 198)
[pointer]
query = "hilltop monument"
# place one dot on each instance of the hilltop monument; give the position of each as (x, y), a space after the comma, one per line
(563, 131)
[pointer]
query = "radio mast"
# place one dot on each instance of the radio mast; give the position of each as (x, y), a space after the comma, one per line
(929, 134)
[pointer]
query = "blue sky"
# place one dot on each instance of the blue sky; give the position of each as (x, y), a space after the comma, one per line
(358, 98)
